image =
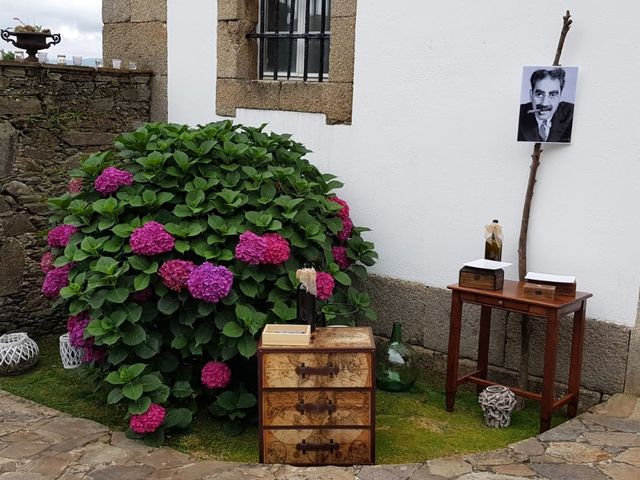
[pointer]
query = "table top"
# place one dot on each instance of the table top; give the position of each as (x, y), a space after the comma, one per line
(514, 291)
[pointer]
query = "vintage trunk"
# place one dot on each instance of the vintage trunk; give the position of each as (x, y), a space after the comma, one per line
(317, 402)
(481, 278)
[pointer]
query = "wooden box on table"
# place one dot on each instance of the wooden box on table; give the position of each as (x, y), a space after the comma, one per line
(317, 402)
(485, 279)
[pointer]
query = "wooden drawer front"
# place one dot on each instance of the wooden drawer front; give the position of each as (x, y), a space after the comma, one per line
(316, 447)
(506, 304)
(315, 408)
(304, 370)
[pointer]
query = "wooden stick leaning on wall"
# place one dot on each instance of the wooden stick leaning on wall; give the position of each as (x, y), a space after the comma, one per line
(525, 328)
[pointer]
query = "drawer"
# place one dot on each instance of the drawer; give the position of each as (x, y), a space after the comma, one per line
(316, 408)
(506, 304)
(317, 447)
(322, 369)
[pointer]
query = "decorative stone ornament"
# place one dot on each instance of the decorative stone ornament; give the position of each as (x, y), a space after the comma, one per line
(71, 356)
(18, 352)
(497, 403)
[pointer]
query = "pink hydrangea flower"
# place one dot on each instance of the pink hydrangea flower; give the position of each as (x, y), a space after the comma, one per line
(278, 249)
(46, 262)
(75, 327)
(340, 257)
(143, 295)
(344, 211)
(75, 185)
(347, 228)
(60, 235)
(175, 273)
(209, 282)
(215, 375)
(324, 285)
(93, 353)
(149, 421)
(251, 248)
(151, 239)
(55, 280)
(111, 179)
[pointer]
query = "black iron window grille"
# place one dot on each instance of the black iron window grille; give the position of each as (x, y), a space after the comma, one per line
(293, 39)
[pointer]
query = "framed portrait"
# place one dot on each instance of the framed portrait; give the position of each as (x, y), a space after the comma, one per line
(547, 99)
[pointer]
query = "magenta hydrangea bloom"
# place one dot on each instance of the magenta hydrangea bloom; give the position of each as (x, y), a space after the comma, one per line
(111, 179)
(340, 257)
(46, 262)
(75, 327)
(142, 295)
(324, 285)
(60, 235)
(55, 280)
(175, 273)
(347, 228)
(149, 421)
(251, 248)
(93, 353)
(209, 282)
(215, 375)
(344, 211)
(75, 185)
(278, 249)
(151, 239)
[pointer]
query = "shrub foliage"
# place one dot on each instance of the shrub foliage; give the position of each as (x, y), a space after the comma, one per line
(205, 187)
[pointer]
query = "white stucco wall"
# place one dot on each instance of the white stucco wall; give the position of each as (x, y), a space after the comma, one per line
(431, 155)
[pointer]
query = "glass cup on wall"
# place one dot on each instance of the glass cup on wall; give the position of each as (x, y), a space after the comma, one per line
(77, 60)
(19, 55)
(116, 63)
(133, 66)
(62, 59)
(42, 57)
(98, 63)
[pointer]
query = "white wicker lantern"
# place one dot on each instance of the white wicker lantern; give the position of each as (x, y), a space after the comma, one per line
(18, 352)
(71, 356)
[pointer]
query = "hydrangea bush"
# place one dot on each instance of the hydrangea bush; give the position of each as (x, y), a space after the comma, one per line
(172, 252)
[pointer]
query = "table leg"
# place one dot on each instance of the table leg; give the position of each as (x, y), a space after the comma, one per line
(575, 366)
(453, 352)
(483, 344)
(549, 372)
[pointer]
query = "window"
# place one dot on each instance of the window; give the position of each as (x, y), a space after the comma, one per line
(293, 39)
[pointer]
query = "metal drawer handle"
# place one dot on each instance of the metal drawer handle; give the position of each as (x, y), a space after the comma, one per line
(302, 407)
(330, 370)
(317, 447)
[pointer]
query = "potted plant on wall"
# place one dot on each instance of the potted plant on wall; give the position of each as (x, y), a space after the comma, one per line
(30, 38)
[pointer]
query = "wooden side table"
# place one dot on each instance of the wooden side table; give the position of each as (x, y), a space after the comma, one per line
(512, 298)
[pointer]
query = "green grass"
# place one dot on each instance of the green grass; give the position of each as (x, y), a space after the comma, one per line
(411, 427)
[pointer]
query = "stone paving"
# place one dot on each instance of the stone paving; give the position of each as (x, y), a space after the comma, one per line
(37, 443)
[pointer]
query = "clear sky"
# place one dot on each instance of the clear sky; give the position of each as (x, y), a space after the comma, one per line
(79, 22)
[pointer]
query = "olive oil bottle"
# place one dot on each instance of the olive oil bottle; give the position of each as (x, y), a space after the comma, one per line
(493, 241)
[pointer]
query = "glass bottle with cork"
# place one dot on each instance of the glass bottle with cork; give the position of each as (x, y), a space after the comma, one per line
(306, 313)
(493, 241)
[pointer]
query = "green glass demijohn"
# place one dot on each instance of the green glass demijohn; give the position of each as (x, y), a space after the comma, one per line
(395, 363)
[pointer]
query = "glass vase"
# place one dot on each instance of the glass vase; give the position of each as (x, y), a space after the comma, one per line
(395, 363)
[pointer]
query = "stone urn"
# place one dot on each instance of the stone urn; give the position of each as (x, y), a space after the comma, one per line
(31, 41)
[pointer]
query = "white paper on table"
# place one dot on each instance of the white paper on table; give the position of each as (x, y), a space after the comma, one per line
(487, 264)
(548, 277)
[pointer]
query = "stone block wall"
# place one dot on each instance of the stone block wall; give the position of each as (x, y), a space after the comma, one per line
(136, 30)
(424, 313)
(50, 118)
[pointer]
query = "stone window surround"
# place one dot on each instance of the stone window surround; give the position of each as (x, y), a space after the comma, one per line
(237, 83)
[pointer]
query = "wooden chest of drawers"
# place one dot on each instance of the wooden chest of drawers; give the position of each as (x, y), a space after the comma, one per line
(317, 402)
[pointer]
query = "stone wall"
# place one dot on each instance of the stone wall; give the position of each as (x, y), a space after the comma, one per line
(50, 118)
(136, 30)
(424, 313)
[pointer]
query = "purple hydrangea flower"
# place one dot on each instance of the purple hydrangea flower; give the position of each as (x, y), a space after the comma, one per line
(55, 280)
(175, 273)
(251, 248)
(151, 239)
(60, 235)
(209, 282)
(111, 179)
